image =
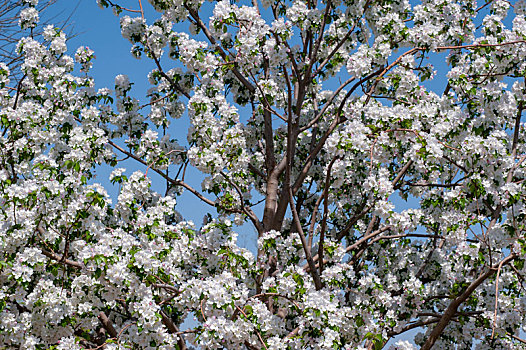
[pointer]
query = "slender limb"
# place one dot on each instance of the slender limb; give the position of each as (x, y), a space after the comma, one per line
(313, 54)
(123, 8)
(257, 171)
(362, 212)
(262, 295)
(255, 329)
(210, 37)
(270, 159)
(267, 108)
(453, 306)
(327, 104)
(18, 89)
(169, 179)
(416, 235)
(413, 326)
(337, 120)
(247, 210)
(167, 287)
(402, 172)
(496, 300)
(294, 67)
(517, 338)
(176, 86)
(429, 256)
(313, 218)
(386, 69)
(355, 245)
(294, 332)
(59, 258)
(357, 217)
(367, 237)
(476, 46)
(338, 46)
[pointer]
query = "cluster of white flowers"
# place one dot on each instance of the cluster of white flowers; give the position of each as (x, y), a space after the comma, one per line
(156, 36)
(4, 75)
(28, 18)
(133, 29)
(122, 84)
(84, 56)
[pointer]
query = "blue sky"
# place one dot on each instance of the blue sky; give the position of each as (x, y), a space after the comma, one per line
(100, 30)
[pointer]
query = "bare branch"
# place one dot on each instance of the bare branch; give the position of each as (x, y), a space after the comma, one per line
(59, 258)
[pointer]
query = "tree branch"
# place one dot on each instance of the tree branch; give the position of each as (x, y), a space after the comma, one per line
(106, 323)
(453, 306)
(210, 37)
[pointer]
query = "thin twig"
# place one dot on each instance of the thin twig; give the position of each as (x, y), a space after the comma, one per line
(255, 329)
(496, 300)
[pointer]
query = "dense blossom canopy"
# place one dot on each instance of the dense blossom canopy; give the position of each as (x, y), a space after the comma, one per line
(376, 146)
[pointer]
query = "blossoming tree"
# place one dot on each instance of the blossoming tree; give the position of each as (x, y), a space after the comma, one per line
(312, 121)
(12, 33)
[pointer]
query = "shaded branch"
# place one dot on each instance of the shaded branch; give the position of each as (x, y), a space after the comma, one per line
(108, 326)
